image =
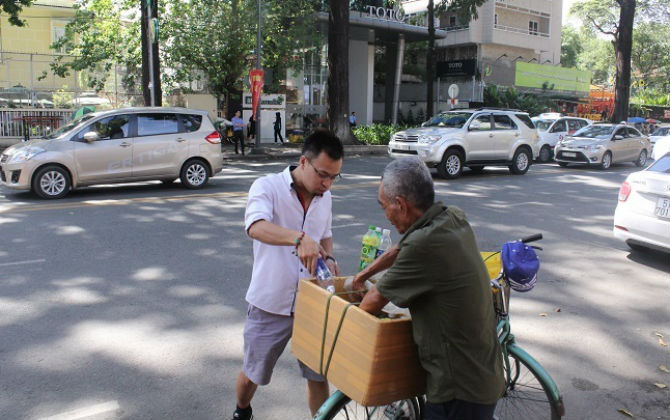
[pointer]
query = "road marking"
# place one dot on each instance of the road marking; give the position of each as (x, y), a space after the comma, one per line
(141, 200)
(22, 262)
(94, 410)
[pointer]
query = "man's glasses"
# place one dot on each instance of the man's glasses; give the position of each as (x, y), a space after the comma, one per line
(325, 175)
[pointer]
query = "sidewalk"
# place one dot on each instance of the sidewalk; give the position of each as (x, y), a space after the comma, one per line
(293, 151)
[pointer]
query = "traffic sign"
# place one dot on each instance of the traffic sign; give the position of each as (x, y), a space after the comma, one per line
(453, 91)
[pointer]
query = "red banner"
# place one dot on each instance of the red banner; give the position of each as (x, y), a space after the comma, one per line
(256, 81)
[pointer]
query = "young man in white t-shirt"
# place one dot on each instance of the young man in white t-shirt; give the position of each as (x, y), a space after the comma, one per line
(289, 216)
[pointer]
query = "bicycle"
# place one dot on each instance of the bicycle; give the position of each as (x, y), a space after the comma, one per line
(530, 392)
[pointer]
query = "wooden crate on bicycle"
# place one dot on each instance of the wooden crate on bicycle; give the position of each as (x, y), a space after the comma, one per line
(373, 361)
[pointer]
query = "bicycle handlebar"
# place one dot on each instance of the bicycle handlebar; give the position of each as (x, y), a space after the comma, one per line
(532, 238)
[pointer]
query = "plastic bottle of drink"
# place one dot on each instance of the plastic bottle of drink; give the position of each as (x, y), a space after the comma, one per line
(369, 247)
(324, 276)
(385, 243)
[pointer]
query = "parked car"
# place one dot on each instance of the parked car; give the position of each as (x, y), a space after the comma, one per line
(471, 137)
(603, 145)
(551, 132)
(661, 147)
(661, 132)
(642, 215)
(134, 144)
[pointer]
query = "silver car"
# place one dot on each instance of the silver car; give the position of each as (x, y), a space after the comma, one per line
(603, 145)
(134, 144)
(471, 137)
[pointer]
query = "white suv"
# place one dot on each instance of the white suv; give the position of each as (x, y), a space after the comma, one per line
(471, 137)
(123, 145)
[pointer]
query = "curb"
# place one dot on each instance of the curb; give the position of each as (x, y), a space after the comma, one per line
(292, 152)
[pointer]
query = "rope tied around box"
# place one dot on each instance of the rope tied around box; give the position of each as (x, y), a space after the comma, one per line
(323, 372)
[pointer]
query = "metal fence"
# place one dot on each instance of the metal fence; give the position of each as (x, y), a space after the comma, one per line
(25, 123)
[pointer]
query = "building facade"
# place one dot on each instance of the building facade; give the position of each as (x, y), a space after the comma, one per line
(25, 54)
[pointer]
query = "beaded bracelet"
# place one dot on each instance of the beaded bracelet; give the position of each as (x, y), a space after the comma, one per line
(297, 240)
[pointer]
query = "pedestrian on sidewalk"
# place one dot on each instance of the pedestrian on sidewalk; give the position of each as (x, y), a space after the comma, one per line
(289, 217)
(238, 131)
(278, 127)
(251, 129)
(437, 272)
(352, 119)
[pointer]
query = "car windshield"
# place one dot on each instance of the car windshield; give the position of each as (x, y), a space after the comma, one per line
(595, 131)
(661, 131)
(67, 127)
(662, 164)
(450, 119)
(543, 125)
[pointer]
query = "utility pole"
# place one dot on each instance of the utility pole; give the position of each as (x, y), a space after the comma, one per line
(151, 89)
(258, 67)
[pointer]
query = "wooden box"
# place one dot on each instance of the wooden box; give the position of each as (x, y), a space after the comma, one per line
(373, 361)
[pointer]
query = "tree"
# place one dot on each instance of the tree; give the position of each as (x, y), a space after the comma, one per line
(615, 19)
(13, 8)
(338, 70)
(571, 46)
(97, 40)
(466, 10)
(651, 53)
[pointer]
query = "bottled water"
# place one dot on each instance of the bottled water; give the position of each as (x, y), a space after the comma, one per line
(369, 247)
(324, 276)
(385, 243)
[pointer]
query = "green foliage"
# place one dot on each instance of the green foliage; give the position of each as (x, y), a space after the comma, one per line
(13, 8)
(377, 133)
(97, 39)
(598, 57)
(571, 46)
(650, 55)
(651, 97)
(62, 98)
(510, 98)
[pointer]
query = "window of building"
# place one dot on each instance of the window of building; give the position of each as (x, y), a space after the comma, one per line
(452, 20)
(57, 32)
(532, 27)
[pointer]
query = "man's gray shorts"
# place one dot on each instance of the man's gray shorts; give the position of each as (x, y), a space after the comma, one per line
(265, 338)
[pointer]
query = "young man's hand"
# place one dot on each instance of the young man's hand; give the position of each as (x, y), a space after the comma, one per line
(308, 252)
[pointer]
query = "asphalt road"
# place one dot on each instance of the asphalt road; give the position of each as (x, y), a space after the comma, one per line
(127, 302)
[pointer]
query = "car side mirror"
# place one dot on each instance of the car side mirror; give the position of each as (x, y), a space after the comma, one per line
(618, 137)
(91, 136)
(475, 125)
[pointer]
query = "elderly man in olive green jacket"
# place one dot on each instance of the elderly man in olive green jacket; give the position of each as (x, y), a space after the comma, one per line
(437, 272)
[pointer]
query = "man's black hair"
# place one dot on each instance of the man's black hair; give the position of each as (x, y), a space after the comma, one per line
(323, 141)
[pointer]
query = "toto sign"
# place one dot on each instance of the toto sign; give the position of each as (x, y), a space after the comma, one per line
(388, 14)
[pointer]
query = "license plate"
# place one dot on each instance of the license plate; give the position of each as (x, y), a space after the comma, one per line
(569, 154)
(402, 147)
(663, 208)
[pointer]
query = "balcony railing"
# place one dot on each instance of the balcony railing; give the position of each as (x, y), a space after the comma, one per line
(525, 31)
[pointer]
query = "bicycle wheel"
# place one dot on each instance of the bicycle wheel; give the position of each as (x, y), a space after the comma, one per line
(526, 397)
(346, 409)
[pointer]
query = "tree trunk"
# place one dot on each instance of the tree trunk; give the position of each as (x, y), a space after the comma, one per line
(338, 71)
(146, 76)
(623, 46)
(430, 60)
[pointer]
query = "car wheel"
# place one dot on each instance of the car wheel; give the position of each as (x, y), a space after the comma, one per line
(476, 169)
(545, 154)
(563, 164)
(194, 174)
(521, 162)
(607, 161)
(451, 166)
(51, 182)
(642, 159)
